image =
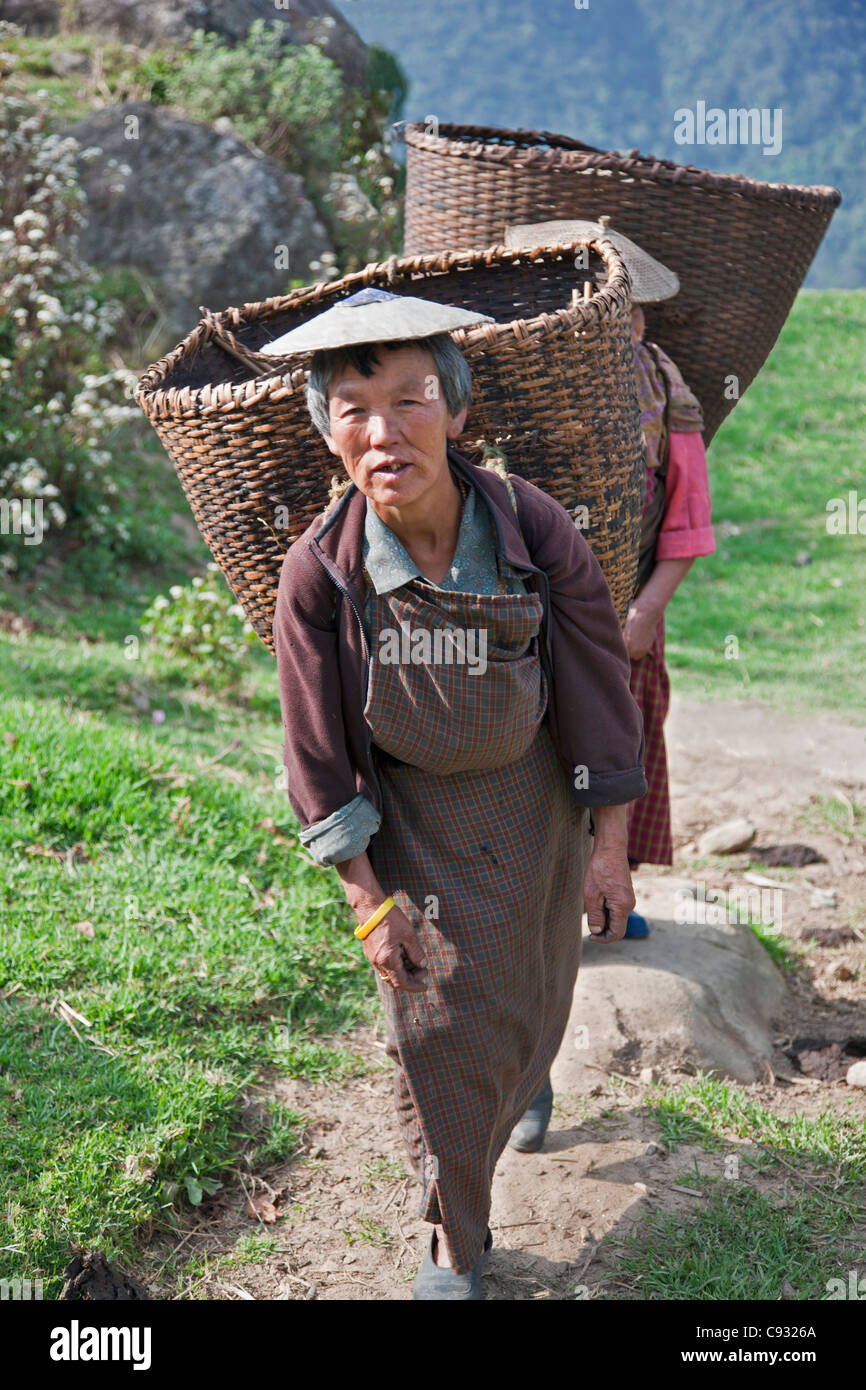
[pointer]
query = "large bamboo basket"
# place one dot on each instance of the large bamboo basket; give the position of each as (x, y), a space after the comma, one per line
(553, 383)
(741, 248)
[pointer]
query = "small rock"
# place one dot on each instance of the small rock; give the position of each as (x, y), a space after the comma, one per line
(90, 1277)
(841, 971)
(788, 1290)
(829, 936)
(727, 838)
(319, 1153)
(793, 856)
(66, 61)
(642, 1188)
(648, 1076)
(823, 898)
(856, 1074)
(655, 1148)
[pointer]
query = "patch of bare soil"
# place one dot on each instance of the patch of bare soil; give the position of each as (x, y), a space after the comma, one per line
(344, 1211)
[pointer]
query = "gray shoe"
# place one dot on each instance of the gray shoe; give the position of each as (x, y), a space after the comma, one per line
(528, 1134)
(441, 1282)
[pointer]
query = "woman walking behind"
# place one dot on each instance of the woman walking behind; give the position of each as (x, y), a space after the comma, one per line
(675, 527)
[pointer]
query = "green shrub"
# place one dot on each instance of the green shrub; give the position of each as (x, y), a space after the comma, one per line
(279, 97)
(199, 628)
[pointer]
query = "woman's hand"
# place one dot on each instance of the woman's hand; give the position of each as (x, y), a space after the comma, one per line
(394, 950)
(608, 896)
(640, 631)
(394, 947)
(649, 605)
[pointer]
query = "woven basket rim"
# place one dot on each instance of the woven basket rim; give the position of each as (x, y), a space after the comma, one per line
(543, 148)
(160, 403)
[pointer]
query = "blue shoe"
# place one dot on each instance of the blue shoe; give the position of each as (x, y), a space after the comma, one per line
(441, 1282)
(528, 1134)
(637, 925)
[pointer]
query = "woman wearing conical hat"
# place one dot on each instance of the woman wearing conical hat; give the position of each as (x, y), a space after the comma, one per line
(449, 658)
(675, 529)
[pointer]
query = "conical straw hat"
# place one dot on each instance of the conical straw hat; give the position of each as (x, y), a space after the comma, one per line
(651, 281)
(373, 316)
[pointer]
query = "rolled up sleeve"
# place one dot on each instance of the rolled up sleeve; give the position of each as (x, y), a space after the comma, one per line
(686, 530)
(344, 834)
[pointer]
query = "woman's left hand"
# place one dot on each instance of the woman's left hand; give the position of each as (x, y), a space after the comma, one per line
(608, 896)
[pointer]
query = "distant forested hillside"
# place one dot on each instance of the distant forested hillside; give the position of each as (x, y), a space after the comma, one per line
(614, 74)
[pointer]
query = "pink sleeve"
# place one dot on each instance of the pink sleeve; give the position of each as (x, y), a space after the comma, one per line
(686, 528)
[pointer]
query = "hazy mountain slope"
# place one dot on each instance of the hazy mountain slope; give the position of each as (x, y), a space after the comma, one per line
(615, 74)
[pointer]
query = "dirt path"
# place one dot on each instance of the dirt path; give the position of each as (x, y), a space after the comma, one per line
(347, 1226)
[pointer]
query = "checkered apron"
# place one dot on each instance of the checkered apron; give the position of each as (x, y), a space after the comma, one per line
(484, 850)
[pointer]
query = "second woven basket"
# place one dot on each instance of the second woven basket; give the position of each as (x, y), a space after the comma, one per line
(553, 388)
(740, 247)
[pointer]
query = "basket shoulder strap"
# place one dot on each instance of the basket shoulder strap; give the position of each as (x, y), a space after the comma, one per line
(494, 459)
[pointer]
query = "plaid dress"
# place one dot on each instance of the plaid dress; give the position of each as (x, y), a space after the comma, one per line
(649, 819)
(483, 848)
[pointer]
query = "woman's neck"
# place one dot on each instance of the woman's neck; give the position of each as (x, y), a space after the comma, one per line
(429, 530)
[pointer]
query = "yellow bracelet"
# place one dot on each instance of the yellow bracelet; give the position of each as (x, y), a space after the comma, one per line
(371, 922)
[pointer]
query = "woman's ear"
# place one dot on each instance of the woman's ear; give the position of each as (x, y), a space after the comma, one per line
(456, 423)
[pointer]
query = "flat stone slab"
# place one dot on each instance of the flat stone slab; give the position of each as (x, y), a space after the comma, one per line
(696, 993)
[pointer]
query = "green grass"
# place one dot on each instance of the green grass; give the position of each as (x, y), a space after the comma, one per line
(112, 62)
(214, 947)
(846, 819)
(794, 441)
(745, 1240)
(369, 1232)
(781, 949)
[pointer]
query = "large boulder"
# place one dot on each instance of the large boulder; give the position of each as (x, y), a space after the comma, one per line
(692, 994)
(172, 21)
(199, 213)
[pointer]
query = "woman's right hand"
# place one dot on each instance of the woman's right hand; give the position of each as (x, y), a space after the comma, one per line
(394, 950)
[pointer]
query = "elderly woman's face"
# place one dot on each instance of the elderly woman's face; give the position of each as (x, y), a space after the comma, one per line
(391, 429)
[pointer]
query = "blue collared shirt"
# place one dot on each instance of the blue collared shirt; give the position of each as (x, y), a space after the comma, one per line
(474, 570)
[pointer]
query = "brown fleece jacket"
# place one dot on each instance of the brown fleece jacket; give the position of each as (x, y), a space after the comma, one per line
(322, 656)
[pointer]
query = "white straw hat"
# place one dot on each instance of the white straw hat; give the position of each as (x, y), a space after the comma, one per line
(651, 281)
(373, 316)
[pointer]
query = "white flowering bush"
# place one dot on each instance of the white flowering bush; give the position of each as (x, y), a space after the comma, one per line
(201, 628)
(58, 404)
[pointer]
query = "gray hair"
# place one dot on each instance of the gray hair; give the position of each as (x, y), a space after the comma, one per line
(451, 367)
